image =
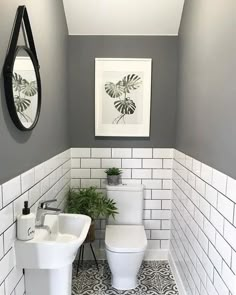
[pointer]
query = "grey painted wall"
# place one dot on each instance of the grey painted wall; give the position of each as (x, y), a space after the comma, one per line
(19, 150)
(207, 84)
(82, 52)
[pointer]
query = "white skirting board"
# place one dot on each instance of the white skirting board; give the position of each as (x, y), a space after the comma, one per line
(176, 274)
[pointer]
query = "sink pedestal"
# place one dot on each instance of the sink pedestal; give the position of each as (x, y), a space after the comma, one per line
(48, 281)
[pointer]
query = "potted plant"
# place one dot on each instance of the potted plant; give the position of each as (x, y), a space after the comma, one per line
(90, 202)
(113, 176)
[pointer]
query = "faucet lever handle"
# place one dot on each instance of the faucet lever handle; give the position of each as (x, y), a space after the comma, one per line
(43, 204)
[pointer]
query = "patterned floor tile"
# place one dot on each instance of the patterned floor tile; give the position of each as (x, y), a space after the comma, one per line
(155, 278)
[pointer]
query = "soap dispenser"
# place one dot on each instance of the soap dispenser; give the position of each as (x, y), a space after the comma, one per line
(25, 224)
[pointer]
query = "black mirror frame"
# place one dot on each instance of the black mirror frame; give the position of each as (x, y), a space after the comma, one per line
(21, 16)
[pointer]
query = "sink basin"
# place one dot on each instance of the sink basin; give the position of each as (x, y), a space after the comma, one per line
(47, 259)
(55, 248)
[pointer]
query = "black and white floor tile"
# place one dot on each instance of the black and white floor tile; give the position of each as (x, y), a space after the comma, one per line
(155, 278)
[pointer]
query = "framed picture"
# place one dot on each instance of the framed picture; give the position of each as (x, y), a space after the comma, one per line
(122, 97)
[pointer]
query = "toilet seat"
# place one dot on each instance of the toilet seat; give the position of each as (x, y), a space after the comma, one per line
(125, 238)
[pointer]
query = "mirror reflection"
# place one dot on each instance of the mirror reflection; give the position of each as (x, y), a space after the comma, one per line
(25, 88)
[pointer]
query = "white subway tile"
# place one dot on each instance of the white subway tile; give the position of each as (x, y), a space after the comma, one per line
(152, 204)
(152, 184)
(98, 173)
(165, 224)
(203, 240)
(6, 265)
(160, 234)
(121, 153)
(167, 163)
(161, 214)
(209, 231)
(109, 163)
(12, 280)
(196, 167)
(6, 217)
(39, 172)
(20, 288)
(161, 194)
(131, 163)
(1, 247)
(229, 278)
(166, 204)
(152, 224)
(0, 197)
(142, 173)
(152, 163)
(206, 173)
(211, 195)
(217, 220)
(147, 194)
(162, 153)
(231, 189)
(165, 244)
(146, 214)
(204, 207)
(200, 186)
(126, 173)
(230, 234)
(142, 153)
(207, 264)
(80, 152)
(189, 163)
(11, 190)
(90, 163)
(215, 258)
(219, 181)
(223, 248)
(80, 173)
(101, 152)
(154, 244)
(211, 288)
(34, 194)
(220, 285)
(167, 184)
(225, 207)
(162, 173)
(27, 180)
(234, 261)
(45, 185)
(2, 289)
(85, 183)
(75, 163)
(9, 237)
(192, 179)
(75, 183)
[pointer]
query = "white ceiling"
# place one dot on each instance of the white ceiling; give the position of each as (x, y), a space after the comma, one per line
(123, 17)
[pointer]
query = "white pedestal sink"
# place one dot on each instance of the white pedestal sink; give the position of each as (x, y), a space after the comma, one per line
(47, 259)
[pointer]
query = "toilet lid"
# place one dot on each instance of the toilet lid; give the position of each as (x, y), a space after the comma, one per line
(125, 238)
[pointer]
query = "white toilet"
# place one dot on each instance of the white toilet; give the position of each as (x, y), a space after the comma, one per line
(125, 238)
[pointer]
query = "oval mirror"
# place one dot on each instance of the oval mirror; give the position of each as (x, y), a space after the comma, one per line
(25, 88)
(21, 75)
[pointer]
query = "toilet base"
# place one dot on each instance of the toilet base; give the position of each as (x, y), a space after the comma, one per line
(124, 283)
(124, 269)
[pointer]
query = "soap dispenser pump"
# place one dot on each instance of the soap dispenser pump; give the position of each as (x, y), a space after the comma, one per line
(25, 224)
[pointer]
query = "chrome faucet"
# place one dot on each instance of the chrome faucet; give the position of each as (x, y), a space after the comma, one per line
(44, 210)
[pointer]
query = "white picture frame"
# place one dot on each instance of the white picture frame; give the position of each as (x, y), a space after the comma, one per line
(122, 97)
